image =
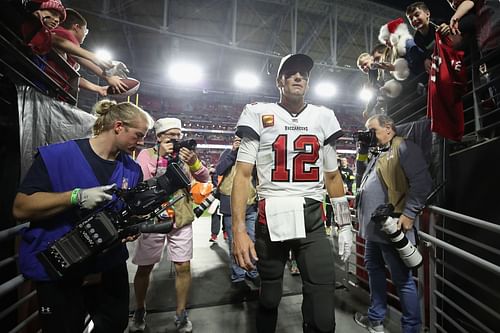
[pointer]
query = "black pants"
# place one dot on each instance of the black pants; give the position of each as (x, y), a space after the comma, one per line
(315, 259)
(63, 305)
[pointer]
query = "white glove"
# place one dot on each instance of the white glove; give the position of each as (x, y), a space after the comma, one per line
(89, 198)
(390, 225)
(345, 242)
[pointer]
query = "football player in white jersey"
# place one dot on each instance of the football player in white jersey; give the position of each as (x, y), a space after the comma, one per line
(293, 146)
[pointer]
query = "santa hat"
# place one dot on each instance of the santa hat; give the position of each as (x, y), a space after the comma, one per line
(396, 33)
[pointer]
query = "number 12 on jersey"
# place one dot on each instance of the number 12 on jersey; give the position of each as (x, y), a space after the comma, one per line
(307, 152)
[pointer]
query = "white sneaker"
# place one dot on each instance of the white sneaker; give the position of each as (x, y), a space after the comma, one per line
(182, 323)
(138, 323)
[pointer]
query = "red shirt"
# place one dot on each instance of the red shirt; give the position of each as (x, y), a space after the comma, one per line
(55, 71)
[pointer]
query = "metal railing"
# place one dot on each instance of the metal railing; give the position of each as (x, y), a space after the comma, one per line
(13, 284)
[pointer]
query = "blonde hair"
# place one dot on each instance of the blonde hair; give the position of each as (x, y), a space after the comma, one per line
(108, 112)
(361, 57)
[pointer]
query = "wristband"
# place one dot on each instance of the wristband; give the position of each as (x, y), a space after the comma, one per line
(74, 196)
(196, 166)
(341, 212)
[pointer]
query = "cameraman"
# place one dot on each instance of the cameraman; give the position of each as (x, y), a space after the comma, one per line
(398, 174)
(153, 162)
(65, 182)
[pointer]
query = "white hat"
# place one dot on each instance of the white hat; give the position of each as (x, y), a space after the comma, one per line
(295, 61)
(164, 124)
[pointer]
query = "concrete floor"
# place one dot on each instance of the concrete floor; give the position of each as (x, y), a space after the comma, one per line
(211, 310)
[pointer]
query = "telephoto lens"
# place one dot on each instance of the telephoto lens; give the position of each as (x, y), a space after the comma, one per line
(198, 210)
(388, 224)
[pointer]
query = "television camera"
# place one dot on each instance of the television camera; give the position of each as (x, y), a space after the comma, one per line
(106, 227)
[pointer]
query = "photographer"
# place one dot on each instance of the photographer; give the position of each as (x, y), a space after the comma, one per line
(153, 162)
(397, 174)
(65, 182)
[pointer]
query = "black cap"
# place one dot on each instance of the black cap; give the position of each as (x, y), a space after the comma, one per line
(298, 61)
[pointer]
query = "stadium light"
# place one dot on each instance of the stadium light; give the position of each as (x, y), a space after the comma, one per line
(325, 89)
(185, 73)
(246, 80)
(366, 94)
(103, 54)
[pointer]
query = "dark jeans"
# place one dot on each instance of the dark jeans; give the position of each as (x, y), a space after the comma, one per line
(237, 273)
(63, 305)
(377, 255)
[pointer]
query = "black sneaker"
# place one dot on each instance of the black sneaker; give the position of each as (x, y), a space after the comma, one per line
(372, 326)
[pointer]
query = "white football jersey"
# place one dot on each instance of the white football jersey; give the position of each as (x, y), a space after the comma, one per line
(290, 155)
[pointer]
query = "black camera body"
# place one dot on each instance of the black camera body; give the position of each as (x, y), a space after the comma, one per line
(106, 227)
(367, 137)
(189, 144)
(385, 217)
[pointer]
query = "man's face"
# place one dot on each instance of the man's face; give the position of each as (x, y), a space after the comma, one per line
(130, 135)
(365, 64)
(343, 162)
(293, 83)
(378, 56)
(419, 19)
(384, 134)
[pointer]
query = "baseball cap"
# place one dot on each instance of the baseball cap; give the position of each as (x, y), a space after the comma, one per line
(164, 124)
(297, 61)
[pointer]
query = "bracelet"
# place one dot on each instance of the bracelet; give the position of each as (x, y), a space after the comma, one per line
(74, 196)
(196, 166)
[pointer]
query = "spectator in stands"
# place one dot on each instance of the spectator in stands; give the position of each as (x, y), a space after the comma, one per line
(65, 182)
(42, 18)
(419, 16)
(380, 90)
(153, 162)
(461, 8)
(406, 57)
(50, 13)
(226, 168)
(292, 145)
(66, 40)
(488, 22)
(397, 174)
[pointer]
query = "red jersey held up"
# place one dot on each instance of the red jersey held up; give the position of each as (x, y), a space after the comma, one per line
(447, 84)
